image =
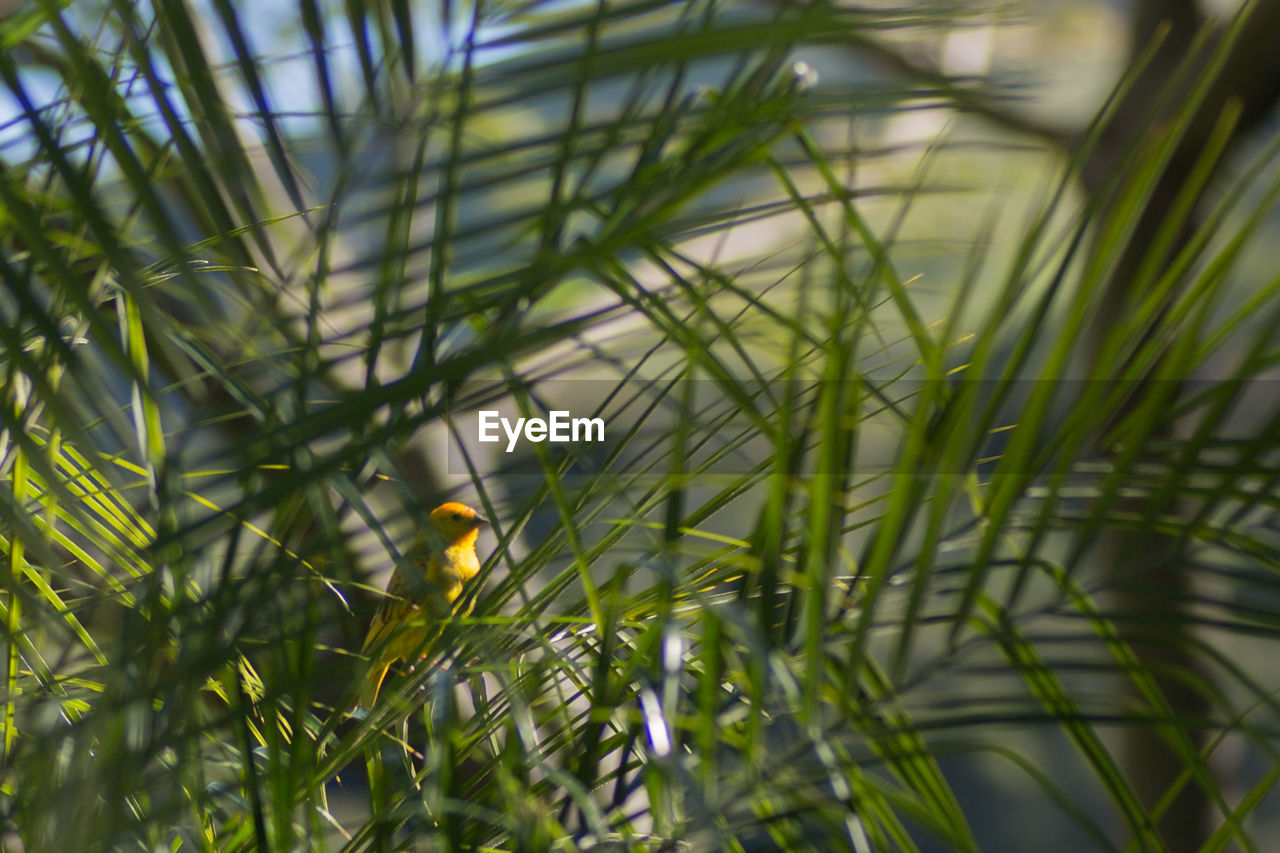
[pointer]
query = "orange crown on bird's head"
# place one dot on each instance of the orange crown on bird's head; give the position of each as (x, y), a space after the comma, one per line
(457, 522)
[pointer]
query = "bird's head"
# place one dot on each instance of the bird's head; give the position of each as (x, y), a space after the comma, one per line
(456, 523)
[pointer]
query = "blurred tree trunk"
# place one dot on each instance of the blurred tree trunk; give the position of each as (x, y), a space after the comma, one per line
(1151, 579)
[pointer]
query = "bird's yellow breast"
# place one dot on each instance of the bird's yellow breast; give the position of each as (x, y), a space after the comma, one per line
(448, 575)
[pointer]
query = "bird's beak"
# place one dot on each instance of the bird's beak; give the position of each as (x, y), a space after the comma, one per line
(480, 521)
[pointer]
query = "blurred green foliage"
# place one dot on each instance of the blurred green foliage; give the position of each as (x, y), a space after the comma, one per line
(849, 572)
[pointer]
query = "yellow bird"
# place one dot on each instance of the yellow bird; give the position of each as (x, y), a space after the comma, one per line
(422, 591)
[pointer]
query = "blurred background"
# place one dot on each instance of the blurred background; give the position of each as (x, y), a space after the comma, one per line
(934, 346)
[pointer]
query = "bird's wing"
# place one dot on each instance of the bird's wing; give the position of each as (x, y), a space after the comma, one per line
(409, 593)
(381, 642)
(413, 595)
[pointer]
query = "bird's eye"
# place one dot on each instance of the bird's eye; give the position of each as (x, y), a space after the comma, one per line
(457, 516)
